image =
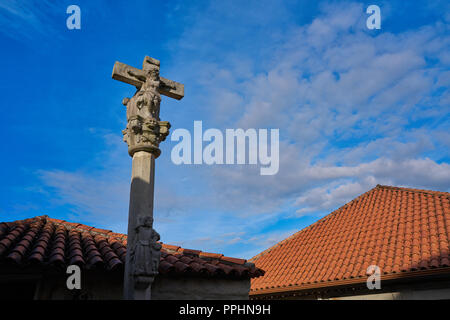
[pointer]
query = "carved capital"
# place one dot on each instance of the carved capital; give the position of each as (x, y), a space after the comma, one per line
(145, 135)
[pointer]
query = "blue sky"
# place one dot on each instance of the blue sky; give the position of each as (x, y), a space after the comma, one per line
(355, 108)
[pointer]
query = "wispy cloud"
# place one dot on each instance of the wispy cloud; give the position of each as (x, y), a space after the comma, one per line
(28, 19)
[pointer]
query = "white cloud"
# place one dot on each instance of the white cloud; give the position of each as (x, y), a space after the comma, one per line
(28, 19)
(417, 173)
(343, 101)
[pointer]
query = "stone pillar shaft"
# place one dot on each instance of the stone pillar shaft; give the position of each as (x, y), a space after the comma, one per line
(141, 205)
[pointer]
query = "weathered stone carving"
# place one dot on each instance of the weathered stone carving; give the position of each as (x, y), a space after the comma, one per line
(145, 251)
(144, 130)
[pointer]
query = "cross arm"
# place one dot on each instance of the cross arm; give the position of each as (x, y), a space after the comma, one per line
(136, 77)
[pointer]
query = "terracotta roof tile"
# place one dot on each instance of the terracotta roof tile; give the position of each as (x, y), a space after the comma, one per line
(189, 251)
(233, 260)
(210, 255)
(169, 247)
(56, 243)
(401, 230)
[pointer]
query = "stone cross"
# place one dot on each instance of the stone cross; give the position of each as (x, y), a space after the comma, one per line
(143, 134)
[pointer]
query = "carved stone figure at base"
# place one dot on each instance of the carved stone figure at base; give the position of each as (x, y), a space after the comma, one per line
(146, 251)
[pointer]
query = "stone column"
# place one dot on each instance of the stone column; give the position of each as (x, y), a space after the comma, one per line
(143, 134)
(141, 205)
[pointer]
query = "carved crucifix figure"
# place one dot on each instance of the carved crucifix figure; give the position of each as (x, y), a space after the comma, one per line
(143, 134)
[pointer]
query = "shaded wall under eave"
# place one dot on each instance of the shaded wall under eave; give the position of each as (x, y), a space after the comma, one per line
(107, 287)
(432, 287)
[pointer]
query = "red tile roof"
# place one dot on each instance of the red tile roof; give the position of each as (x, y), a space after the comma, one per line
(403, 231)
(53, 243)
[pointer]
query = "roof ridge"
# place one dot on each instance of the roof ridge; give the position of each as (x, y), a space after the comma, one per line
(37, 242)
(412, 189)
(86, 228)
(368, 230)
(378, 186)
(333, 213)
(175, 249)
